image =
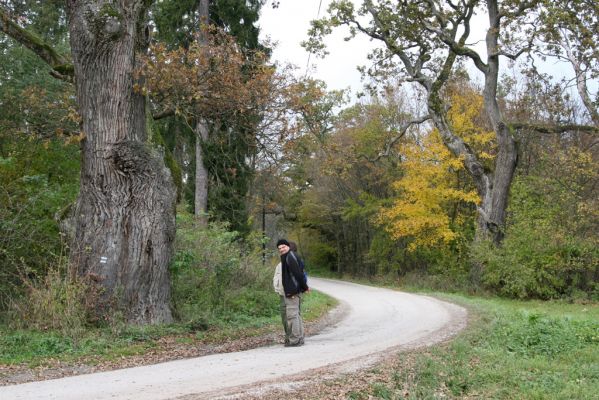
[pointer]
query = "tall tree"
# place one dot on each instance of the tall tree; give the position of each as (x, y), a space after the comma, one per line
(125, 209)
(427, 37)
(434, 200)
(201, 130)
(570, 32)
(179, 24)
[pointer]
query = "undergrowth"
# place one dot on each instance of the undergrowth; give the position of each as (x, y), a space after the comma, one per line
(221, 291)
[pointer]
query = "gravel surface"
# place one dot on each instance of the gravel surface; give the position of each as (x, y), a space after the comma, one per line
(375, 322)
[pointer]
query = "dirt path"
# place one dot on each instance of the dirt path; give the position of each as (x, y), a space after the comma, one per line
(377, 321)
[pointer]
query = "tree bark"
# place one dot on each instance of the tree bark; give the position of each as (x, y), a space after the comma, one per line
(493, 208)
(492, 187)
(125, 213)
(201, 131)
(201, 178)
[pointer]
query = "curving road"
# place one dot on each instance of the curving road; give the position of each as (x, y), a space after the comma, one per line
(376, 321)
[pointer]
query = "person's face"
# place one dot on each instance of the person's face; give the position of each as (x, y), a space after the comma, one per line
(283, 249)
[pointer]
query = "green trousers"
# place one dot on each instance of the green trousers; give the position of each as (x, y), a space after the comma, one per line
(283, 309)
(292, 319)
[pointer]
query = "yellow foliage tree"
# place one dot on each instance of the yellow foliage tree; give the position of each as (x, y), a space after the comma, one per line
(433, 183)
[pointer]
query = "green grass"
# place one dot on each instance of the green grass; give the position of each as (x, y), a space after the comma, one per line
(34, 348)
(315, 304)
(511, 350)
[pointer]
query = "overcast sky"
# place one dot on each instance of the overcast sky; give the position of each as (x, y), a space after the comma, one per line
(288, 25)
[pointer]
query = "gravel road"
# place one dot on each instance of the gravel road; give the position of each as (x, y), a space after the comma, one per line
(375, 322)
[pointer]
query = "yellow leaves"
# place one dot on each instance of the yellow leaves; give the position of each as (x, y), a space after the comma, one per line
(431, 190)
(465, 116)
(426, 191)
(75, 139)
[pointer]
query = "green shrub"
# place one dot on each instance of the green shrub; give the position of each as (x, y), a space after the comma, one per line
(321, 255)
(37, 180)
(215, 275)
(537, 266)
(548, 251)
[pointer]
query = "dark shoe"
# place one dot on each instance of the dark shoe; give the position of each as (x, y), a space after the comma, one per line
(298, 344)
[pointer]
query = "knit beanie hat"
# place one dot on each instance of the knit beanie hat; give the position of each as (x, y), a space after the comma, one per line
(282, 241)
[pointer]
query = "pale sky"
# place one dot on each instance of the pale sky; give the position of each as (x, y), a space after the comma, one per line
(288, 25)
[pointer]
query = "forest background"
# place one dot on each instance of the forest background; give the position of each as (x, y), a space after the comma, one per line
(431, 178)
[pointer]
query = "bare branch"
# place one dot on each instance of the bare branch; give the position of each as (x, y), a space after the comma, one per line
(514, 56)
(543, 128)
(509, 55)
(401, 133)
(163, 114)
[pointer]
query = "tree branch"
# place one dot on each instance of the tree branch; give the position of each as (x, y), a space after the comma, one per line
(457, 47)
(61, 64)
(541, 128)
(402, 131)
(522, 8)
(163, 114)
(414, 70)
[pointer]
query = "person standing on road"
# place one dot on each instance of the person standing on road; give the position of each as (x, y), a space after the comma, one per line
(294, 284)
(277, 283)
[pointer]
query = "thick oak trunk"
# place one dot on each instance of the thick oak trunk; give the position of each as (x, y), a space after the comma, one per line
(493, 209)
(125, 214)
(492, 187)
(494, 201)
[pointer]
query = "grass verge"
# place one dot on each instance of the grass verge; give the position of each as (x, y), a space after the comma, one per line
(34, 347)
(510, 350)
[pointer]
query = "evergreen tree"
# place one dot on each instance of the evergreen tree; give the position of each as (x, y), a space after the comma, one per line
(231, 142)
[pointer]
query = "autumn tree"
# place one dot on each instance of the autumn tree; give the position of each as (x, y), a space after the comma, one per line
(434, 195)
(223, 143)
(422, 41)
(215, 82)
(340, 168)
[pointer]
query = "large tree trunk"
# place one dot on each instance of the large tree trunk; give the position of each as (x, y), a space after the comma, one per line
(493, 210)
(492, 187)
(125, 214)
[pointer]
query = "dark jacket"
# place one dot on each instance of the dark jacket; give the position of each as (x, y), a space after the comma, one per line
(294, 279)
